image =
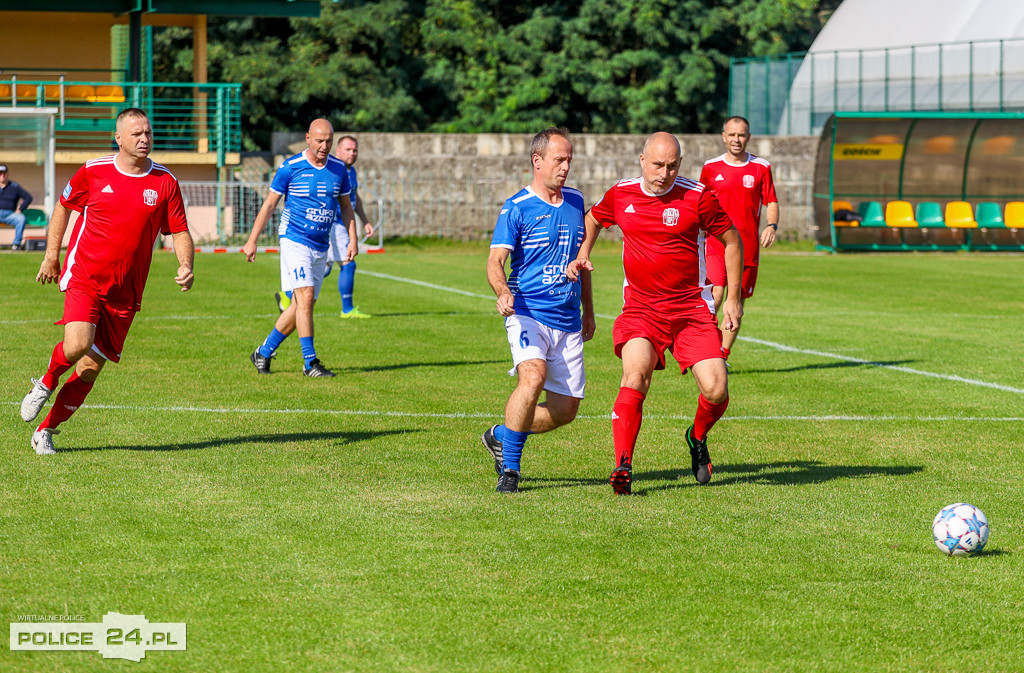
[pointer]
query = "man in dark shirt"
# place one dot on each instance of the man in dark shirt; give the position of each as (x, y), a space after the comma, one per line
(11, 193)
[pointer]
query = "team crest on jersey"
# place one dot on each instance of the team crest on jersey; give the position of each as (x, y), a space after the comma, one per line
(748, 181)
(149, 197)
(670, 216)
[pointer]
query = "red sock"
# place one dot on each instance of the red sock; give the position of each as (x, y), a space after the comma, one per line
(627, 414)
(707, 415)
(69, 398)
(58, 365)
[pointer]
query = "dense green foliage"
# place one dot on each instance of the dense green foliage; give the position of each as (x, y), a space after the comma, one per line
(597, 66)
(351, 524)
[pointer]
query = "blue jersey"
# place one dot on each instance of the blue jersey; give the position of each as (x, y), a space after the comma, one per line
(543, 239)
(353, 185)
(310, 199)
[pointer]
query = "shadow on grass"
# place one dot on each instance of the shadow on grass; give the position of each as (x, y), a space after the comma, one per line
(403, 314)
(822, 365)
(787, 473)
(410, 365)
(342, 437)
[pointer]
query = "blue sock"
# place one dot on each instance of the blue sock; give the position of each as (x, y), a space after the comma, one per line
(499, 432)
(308, 352)
(512, 448)
(271, 343)
(346, 282)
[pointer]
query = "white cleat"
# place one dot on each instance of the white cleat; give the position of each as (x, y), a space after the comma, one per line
(42, 441)
(34, 401)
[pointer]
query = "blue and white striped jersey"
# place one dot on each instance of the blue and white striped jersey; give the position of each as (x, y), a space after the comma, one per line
(310, 199)
(543, 239)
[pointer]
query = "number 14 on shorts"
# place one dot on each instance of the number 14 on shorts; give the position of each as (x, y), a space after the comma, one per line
(299, 272)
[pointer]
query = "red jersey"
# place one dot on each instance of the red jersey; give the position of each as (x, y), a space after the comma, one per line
(663, 242)
(111, 245)
(741, 190)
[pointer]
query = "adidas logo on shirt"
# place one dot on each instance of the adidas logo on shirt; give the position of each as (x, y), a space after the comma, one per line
(719, 178)
(630, 208)
(108, 190)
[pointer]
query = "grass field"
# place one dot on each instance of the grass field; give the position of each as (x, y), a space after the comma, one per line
(351, 524)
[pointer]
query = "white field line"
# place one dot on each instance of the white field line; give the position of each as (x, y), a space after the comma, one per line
(769, 344)
(589, 417)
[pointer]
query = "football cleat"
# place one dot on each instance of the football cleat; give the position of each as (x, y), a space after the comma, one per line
(509, 482)
(355, 313)
(492, 444)
(261, 363)
(700, 460)
(34, 400)
(316, 369)
(622, 479)
(283, 301)
(42, 441)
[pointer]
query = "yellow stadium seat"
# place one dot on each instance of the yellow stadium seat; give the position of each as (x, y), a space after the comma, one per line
(79, 92)
(109, 94)
(899, 214)
(843, 205)
(1013, 215)
(960, 215)
(5, 90)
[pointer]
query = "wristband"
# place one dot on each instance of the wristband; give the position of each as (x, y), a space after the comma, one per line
(773, 226)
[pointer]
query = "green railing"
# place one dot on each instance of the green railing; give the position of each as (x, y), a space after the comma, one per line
(204, 118)
(795, 94)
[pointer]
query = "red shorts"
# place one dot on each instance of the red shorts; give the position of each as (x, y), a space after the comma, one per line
(717, 277)
(81, 304)
(692, 335)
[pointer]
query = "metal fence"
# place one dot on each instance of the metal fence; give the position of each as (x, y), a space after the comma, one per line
(796, 93)
(203, 118)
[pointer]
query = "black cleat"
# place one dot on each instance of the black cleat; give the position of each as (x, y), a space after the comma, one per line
(317, 369)
(509, 482)
(261, 363)
(622, 479)
(492, 444)
(699, 458)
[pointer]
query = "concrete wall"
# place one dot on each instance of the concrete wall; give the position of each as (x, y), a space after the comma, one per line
(454, 184)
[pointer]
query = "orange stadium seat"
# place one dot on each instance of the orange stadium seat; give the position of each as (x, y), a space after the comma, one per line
(79, 92)
(843, 205)
(959, 215)
(109, 94)
(5, 90)
(899, 214)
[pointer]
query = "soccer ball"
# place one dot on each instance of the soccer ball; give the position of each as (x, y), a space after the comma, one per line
(960, 529)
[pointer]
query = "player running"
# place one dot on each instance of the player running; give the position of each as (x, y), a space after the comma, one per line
(541, 226)
(126, 201)
(667, 302)
(742, 183)
(312, 182)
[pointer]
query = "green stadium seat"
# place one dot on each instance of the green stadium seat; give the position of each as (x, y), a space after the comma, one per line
(899, 214)
(1013, 216)
(35, 217)
(929, 215)
(871, 211)
(960, 216)
(989, 215)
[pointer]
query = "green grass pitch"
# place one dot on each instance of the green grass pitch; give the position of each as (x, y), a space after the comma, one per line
(351, 524)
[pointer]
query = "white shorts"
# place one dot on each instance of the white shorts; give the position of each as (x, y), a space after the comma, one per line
(301, 266)
(339, 243)
(562, 351)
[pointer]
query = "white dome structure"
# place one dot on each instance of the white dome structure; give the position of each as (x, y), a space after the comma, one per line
(910, 55)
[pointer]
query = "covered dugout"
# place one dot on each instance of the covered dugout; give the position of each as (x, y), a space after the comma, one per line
(920, 181)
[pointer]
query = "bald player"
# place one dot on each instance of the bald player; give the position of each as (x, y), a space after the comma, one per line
(312, 183)
(667, 302)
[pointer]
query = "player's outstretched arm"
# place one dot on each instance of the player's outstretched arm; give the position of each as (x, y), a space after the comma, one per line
(732, 309)
(49, 270)
(496, 277)
(185, 250)
(582, 261)
(259, 224)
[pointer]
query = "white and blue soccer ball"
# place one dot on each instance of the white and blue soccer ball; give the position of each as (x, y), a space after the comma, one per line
(960, 529)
